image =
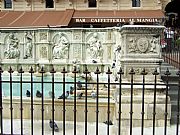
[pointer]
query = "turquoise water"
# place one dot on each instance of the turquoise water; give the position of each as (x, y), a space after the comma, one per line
(37, 85)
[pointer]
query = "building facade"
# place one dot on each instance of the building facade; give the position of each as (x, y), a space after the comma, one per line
(81, 13)
(33, 32)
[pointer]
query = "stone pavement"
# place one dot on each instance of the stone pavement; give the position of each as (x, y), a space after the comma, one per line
(171, 130)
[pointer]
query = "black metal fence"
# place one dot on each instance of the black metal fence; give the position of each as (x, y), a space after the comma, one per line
(171, 46)
(110, 82)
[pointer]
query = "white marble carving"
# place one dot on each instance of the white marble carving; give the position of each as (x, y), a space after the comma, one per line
(154, 43)
(28, 46)
(94, 49)
(142, 44)
(132, 44)
(61, 47)
(12, 50)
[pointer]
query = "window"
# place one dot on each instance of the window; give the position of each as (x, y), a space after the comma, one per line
(7, 4)
(136, 3)
(92, 3)
(49, 4)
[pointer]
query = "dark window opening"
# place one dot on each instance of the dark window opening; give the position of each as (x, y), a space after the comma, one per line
(49, 4)
(92, 3)
(7, 4)
(136, 3)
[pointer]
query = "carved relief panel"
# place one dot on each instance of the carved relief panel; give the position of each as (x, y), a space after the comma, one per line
(60, 48)
(12, 50)
(142, 44)
(94, 47)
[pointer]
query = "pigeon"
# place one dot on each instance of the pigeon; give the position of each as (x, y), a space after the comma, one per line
(28, 93)
(79, 96)
(38, 94)
(56, 129)
(93, 94)
(94, 61)
(66, 95)
(79, 85)
(113, 65)
(51, 94)
(71, 90)
(116, 79)
(108, 123)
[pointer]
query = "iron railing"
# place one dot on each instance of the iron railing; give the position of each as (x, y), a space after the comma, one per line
(171, 46)
(109, 83)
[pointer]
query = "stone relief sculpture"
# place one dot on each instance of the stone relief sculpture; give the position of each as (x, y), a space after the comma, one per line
(142, 44)
(117, 50)
(28, 46)
(12, 50)
(95, 49)
(61, 46)
(154, 43)
(132, 45)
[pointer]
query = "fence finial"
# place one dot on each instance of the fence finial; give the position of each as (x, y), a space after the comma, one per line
(143, 72)
(42, 70)
(20, 70)
(31, 70)
(52, 70)
(97, 71)
(131, 72)
(64, 70)
(155, 72)
(120, 71)
(109, 71)
(10, 70)
(86, 70)
(167, 73)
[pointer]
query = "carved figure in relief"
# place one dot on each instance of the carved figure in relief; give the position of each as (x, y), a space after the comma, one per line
(117, 51)
(95, 47)
(132, 45)
(61, 47)
(154, 43)
(12, 50)
(28, 49)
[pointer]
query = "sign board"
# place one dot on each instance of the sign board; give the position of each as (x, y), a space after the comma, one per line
(116, 20)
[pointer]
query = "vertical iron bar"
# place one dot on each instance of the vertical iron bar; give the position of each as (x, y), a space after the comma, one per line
(42, 97)
(143, 90)
(167, 73)
(177, 124)
(131, 105)
(155, 73)
(108, 109)
(75, 72)
(120, 94)
(53, 96)
(1, 107)
(97, 99)
(32, 127)
(64, 107)
(21, 104)
(11, 107)
(86, 72)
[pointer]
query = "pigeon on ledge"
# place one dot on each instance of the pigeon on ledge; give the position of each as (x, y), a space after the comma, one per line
(51, 123)
(66, 95)
(79, 96)
(28, 93)
(38, 94)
